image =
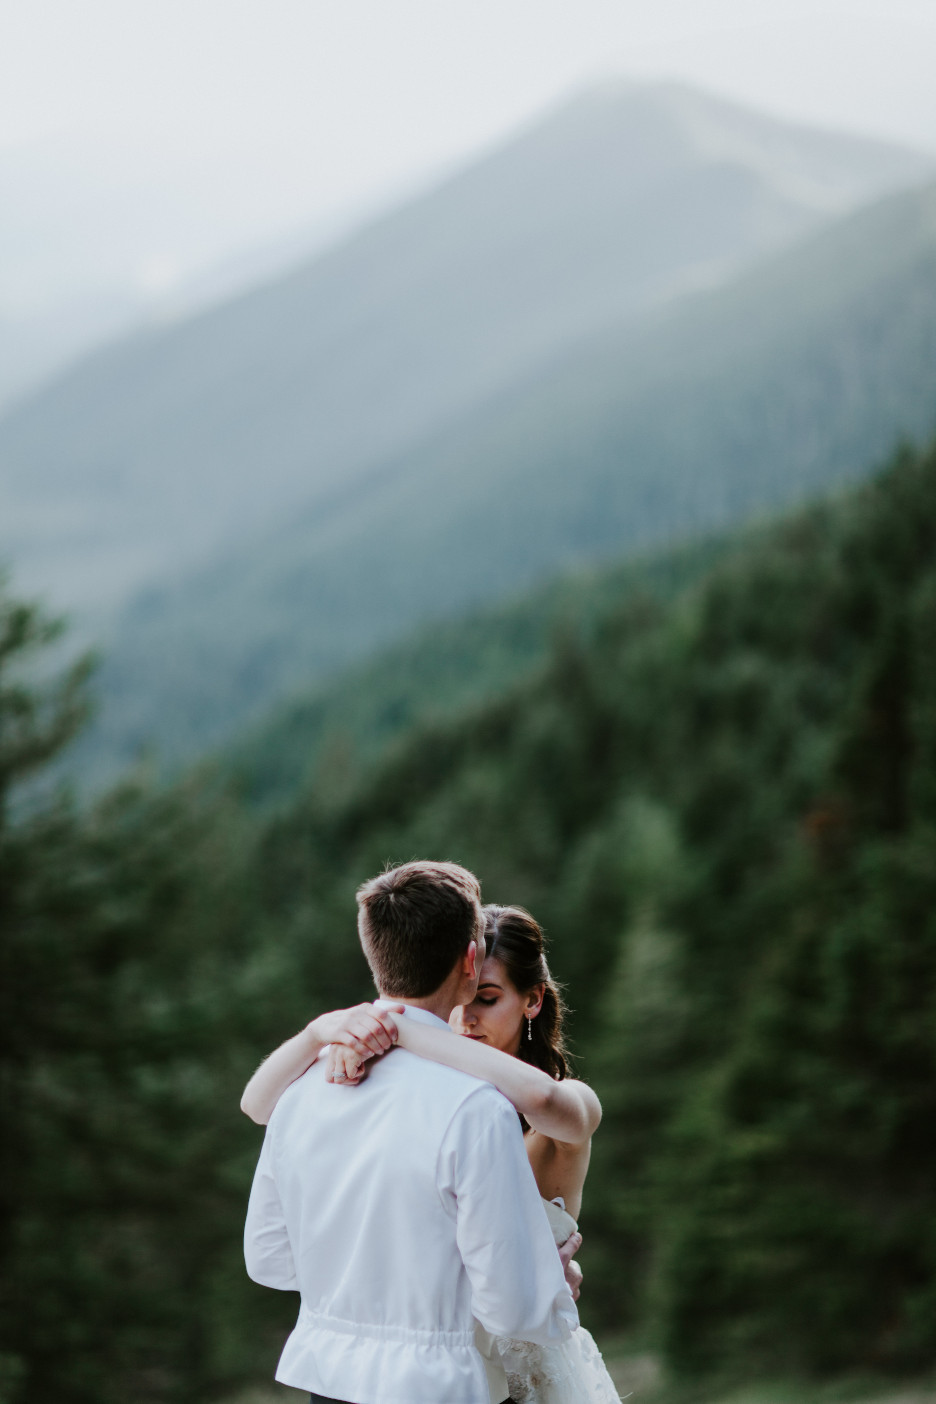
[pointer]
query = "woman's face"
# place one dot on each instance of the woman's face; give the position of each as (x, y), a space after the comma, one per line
(497, 1015)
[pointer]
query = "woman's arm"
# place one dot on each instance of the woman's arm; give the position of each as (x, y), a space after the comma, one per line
(568, 1112)
(366, 1031)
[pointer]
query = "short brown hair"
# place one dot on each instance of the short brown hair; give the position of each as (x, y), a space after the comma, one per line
(415, 922)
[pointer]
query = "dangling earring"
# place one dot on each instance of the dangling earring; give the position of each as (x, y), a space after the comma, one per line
(529, 1030)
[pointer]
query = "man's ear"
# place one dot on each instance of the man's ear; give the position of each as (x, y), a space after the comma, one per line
(471, 965)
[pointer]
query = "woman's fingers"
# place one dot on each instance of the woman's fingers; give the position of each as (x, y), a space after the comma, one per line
(569, 1249)
(368, 1031)
(572, 1271)
(363, 1028)
(374, 1030)
(357, 1035)
(343, 1066)
(353, 1068)
(386, 1030)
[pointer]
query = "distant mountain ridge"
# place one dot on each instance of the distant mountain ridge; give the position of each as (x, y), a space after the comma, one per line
(725, 407)
(155, 452)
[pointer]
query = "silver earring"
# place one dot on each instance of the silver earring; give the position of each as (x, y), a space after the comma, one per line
(529, 1030)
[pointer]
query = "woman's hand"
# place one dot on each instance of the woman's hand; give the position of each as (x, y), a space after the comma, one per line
(355, 1041)
(345, 1066)
(571, 1269)
(364, 1030)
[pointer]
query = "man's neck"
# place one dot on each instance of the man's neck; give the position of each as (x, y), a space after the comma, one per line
(440, 1003)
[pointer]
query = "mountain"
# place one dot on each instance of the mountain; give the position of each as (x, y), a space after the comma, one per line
(797, 376)
(97, 243)
(153, 453)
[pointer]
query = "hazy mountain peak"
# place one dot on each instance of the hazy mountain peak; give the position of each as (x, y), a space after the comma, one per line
(827, 170)
(153, 455)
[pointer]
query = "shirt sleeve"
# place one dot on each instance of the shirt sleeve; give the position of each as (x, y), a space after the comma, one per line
(517, 1283)
(267, 1250)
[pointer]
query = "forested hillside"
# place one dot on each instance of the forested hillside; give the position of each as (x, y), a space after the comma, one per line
(723, 812)
(798, 376)
(721, 805)
(333, 734)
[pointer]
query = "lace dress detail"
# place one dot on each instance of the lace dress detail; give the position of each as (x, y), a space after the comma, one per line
(569, 1372)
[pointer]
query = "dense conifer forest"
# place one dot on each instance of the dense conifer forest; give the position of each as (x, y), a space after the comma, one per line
(721, 803)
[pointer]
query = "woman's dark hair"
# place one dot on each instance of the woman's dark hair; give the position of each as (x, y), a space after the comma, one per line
(516, 940)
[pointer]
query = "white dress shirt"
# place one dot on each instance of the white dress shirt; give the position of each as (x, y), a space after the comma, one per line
(401, 1210)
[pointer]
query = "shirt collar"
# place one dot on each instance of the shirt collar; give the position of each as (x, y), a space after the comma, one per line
(413, 1011)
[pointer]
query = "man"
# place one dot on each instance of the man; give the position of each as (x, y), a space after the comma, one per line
(405, 1209)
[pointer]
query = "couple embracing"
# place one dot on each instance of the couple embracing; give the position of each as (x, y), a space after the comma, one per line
(415, 1187)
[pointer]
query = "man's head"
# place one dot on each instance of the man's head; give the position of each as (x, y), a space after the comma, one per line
(417, 924)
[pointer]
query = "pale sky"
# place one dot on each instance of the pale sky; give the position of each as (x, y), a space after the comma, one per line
(189, 129)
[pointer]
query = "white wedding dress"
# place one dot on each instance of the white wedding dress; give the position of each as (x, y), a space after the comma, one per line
(569, 1372)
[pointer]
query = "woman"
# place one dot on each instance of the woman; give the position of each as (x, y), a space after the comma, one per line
(513, 1039)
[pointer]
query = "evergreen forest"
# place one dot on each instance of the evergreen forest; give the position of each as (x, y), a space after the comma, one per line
(714, 782)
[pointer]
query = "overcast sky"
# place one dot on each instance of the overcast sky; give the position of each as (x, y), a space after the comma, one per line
(201, 126)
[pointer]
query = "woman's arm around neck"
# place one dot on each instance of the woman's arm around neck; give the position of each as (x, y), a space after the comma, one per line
(363, 1029)
(566, 1111)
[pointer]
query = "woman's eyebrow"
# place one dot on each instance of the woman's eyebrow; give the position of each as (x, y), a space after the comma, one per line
(489, 985)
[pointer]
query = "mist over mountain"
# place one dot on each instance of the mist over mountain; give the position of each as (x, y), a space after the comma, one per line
(100, 240)
(159, 450)
(724, 407)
